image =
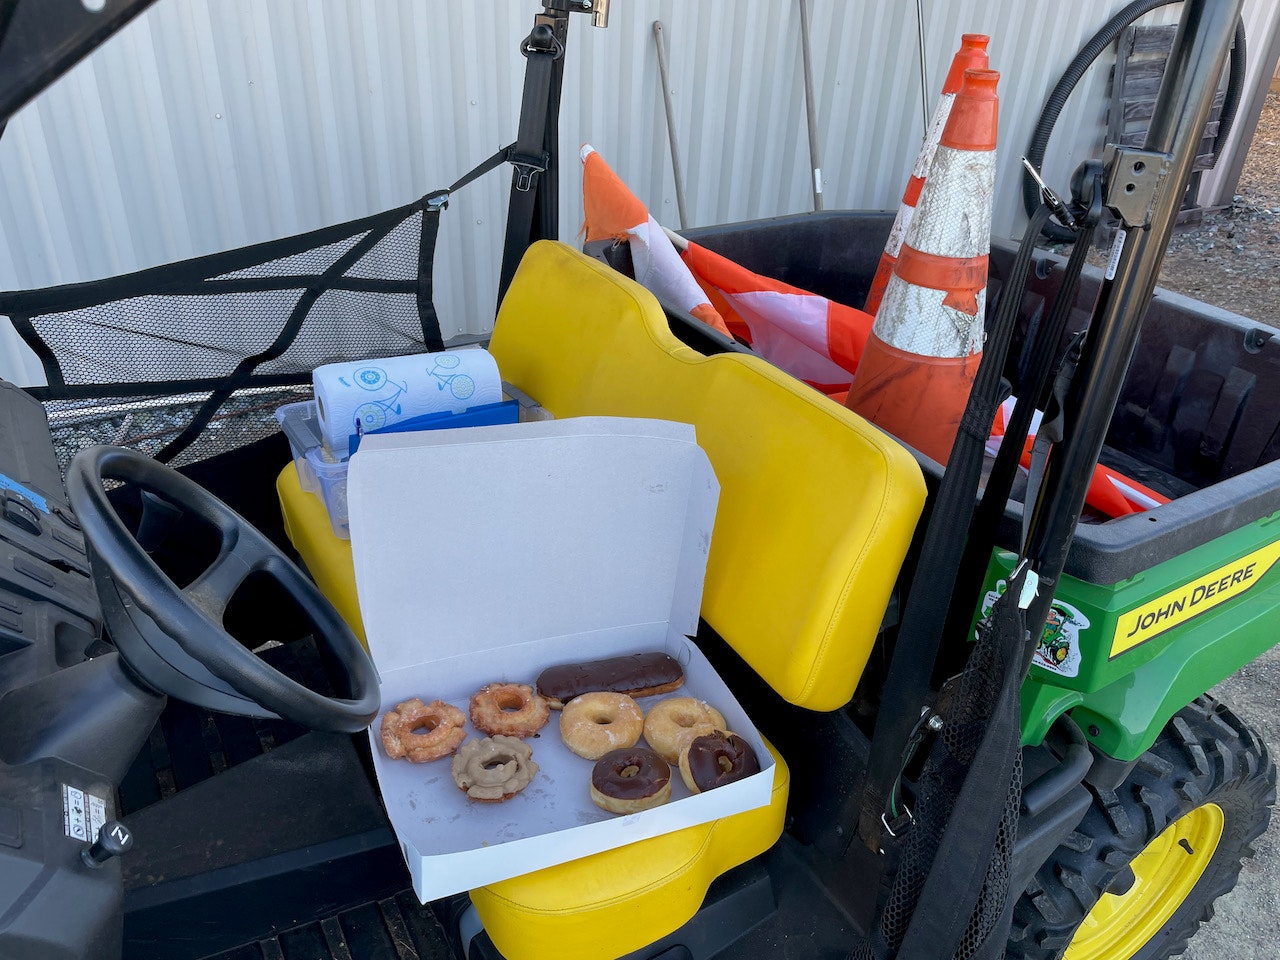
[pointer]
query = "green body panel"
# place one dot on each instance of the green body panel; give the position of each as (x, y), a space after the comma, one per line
(1192, 621)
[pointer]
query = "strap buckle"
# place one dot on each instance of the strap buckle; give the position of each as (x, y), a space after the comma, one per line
(902, 821)
(438, 200)
(527, 169)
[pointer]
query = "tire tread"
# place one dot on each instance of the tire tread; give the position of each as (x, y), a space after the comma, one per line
(1204, 754)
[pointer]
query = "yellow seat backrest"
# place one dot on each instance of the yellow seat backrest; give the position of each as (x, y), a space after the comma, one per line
(817, 507)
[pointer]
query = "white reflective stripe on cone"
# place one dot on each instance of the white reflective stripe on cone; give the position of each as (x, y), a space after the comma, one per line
(915, 319)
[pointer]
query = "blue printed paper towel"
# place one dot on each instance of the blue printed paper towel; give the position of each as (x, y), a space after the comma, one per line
(371, 395)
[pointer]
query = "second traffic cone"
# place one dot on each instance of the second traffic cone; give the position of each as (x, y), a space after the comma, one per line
(972, 55)
(919, 364)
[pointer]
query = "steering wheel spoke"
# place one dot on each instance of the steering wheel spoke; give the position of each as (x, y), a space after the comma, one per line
(213, 589)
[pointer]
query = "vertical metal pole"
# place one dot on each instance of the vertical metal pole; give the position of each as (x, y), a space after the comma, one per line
(810, 109)
(924, 66)
(676, 169)
(1182, 107)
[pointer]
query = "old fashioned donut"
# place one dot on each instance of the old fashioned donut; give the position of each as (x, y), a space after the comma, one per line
(671, 724)
(422, 731)
(595, 723)
(493, 769)
(509, 710)
(630, 780)
(636, 675)
(715, 759)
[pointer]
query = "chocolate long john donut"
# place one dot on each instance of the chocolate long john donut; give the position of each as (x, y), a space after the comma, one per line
(637, 675)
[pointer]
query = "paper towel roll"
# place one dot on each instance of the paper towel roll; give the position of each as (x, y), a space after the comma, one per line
(372, 395)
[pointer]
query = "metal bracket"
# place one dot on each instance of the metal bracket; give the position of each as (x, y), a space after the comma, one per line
(599, 9)
(1133, 181)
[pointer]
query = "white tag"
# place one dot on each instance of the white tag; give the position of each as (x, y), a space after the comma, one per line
(1030, 587)
(83, 814)
(1117, 247)
(75, 815)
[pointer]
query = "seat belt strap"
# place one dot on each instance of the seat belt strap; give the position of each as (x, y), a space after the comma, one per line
(529, 155)
(906, 687)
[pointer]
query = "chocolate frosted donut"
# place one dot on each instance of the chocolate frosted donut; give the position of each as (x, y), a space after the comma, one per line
(630, 780)
(715, 759)
(636, 675)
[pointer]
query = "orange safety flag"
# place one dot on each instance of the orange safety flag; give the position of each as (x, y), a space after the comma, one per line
(810, 337)
(613, 212)
(1111, 493)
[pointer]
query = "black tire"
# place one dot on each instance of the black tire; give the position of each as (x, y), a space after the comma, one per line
(1206, 755)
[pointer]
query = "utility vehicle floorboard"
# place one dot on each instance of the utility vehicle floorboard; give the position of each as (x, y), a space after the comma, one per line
(225, 779)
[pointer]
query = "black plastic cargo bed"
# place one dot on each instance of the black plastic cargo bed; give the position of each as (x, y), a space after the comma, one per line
(1199, 415)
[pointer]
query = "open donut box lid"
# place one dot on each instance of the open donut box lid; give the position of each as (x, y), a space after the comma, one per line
(488, 554)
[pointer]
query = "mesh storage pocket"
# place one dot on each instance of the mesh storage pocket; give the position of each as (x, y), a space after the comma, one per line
(261, 316)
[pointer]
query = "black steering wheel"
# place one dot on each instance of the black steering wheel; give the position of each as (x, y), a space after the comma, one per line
(173, 637)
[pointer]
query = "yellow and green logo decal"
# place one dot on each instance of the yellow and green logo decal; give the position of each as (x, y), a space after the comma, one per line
(1192, 599)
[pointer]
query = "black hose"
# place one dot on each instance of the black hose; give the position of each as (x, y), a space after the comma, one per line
(1076, 69)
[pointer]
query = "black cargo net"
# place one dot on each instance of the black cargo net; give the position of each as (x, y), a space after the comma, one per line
(965, 702)
(173, 344)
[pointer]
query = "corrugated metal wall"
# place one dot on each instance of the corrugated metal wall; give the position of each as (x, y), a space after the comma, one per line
(209, 125)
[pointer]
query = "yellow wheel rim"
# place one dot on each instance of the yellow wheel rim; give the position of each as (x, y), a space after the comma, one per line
(1165, 873)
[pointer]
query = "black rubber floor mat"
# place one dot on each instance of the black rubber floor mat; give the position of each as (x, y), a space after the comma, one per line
(398, 928)
(190, 744)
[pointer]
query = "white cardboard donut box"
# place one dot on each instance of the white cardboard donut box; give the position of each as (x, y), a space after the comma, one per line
(487, 554)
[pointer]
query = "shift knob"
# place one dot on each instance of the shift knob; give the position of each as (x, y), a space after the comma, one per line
(114, 838)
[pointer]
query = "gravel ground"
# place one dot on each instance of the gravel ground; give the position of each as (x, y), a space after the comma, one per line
(1232, 260)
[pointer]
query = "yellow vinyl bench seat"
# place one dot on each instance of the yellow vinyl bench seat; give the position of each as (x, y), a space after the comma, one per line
(816, 513)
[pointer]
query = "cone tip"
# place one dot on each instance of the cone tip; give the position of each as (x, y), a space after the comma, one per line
(586, 151)
(979, 83)
(971, 55)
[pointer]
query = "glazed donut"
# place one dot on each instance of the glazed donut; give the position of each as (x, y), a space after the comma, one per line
(493, 769)
(636, 675)
(715, 759)
(441, 722)
(671, 724)
(509, 710)
(630, 780)
(595, 723)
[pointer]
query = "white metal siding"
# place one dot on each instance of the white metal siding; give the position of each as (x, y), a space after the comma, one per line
(210, 125)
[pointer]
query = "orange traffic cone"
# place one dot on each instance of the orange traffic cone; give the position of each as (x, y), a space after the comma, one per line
(914, 377)
(972, 55)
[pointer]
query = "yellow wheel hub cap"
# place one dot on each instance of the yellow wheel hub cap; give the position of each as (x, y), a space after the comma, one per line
(1164, 875)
